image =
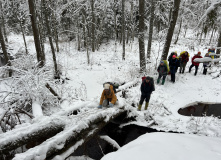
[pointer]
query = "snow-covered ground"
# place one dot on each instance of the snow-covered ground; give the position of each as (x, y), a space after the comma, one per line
(168, 146)
(166, 100)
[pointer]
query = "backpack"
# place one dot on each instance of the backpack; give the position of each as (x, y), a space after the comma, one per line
(151, 81)
(114, 84)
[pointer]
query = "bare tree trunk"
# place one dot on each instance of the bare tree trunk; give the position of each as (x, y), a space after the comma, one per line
(44, 131)
(88, 56)
(4, 50)
(2, 41)
(141, 36)
(78, 35)
(150, 28)
(219, 43)
(178, 34)
(201, 34)
(23, 35)
(185, 30)
(55, 32)
(93, 26)
(132, 22)
(84, 26)
(3, 23)
(169, 36)
(4, 30)
(40, 55)
(212, 34)
(50, 39)
(123, 29)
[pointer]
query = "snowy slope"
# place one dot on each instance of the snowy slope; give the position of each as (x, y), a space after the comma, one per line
(162, 114)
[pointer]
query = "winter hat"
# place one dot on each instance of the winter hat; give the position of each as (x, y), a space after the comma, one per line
(174, 56)
(161, 62)
(148, 78)
(106, 86)
(199, 53)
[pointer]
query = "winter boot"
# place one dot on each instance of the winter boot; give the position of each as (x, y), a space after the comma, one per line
(158, 81)
(146, 105)
(163, 81)
(139, 107)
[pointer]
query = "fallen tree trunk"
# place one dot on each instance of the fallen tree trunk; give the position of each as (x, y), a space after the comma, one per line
(31, 133)
(72, 137)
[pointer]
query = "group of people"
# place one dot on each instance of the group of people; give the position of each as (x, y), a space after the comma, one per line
(108, 97)
(181, 61)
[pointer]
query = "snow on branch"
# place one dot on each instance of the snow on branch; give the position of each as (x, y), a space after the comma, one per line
(213, 6)
(110, 141)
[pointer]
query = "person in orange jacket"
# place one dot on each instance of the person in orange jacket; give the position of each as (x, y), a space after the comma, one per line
(198, 55)
(108, 97)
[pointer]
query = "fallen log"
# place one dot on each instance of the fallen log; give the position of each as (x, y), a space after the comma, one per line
(29, 133)
(72, 137)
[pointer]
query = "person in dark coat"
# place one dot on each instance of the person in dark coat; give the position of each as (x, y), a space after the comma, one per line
(206, 64)
(162, 70)
(184, 58)
(198, 55)
(171, 55)
(147, 87)
(174, 64)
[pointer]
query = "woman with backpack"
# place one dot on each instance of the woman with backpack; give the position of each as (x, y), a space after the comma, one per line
(108, 97)
(163, 71)
(184, 58)
(147, 87)
(174, 64)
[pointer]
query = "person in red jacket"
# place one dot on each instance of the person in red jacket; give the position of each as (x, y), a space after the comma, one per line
(184, 58)
(198, 55)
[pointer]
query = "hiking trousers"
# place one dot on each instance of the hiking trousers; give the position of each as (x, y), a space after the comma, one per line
(160, 75)
(173, 77)
(182, 67)
(204, 70)
(196, 68)
(142, 98)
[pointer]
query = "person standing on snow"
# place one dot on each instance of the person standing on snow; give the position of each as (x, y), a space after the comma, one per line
(174, 64)
(171, 55)
(184, 58)
(107, 96)
(162, 70)
(147, 87)
(198, 55)
(206, 64)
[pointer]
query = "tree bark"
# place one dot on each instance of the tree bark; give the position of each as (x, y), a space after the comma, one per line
(141, 36)
(93, 26)
(86, 134)
(178, 34)
(23, 35)
(169, 36)
(219, 43)
(123, 29)
(150, 28)
(3, 23)
(49, 129)
(211, 37)
(4, 50)
(40, 55)
(50, 39)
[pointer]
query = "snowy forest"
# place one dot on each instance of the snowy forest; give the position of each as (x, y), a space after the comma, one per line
(74, 75)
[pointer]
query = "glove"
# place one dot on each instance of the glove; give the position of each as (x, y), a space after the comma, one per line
(100, 106)
(111, 105)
